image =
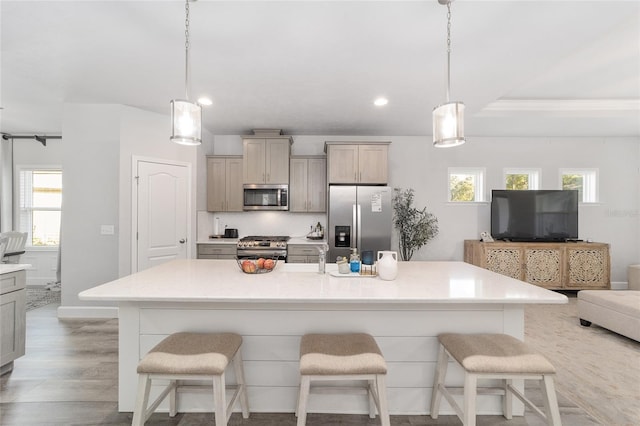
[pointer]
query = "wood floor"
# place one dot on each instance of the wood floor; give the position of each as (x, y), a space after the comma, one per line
(69, 376)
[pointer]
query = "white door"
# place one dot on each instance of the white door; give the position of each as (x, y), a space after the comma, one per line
(162, 213)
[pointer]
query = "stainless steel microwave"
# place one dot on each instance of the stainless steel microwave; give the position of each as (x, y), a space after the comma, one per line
(265, 197)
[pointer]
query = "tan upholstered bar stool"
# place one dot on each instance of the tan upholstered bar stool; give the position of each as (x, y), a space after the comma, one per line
(335, 357)
(192, 356)
(493, 356)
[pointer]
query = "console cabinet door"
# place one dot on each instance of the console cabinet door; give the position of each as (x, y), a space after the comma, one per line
(543, 266)
(505, 261)
(588, 267)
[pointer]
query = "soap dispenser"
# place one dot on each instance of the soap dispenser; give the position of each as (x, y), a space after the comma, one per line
(354, 260)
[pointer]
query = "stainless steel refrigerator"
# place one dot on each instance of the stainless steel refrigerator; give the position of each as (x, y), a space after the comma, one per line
(359, 216)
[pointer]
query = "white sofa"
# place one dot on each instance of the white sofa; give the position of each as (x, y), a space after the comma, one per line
(616, 310)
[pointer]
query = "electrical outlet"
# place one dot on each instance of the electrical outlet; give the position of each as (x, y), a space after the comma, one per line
(107, 229)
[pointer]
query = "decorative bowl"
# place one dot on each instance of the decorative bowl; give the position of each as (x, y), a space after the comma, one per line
(257, 265)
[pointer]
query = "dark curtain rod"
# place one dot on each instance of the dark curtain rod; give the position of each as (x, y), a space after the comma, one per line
(41, 139)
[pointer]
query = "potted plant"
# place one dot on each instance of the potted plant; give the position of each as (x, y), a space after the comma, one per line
(415, 227)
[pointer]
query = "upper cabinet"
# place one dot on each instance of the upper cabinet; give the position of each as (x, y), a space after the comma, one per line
(357, 163)
(308, 184)
(266, 160)
(224, 183)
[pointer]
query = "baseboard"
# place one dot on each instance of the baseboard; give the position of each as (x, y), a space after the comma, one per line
(69, 312)
(619, 285)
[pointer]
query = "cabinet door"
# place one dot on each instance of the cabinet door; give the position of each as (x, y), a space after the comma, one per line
(372, 163)
(277, 161)
(233, 178)
(343, 163)
(253, 151)
(505, 261)
(216, 184)
(298, 185)
(588, 267)
(13, 319)
(317, 185)
(543, 266)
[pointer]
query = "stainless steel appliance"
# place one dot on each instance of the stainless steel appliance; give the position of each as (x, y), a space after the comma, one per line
(263, 246)
(360, 217)
(265, 197)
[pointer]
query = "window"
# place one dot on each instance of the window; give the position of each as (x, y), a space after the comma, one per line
(466, 184)
(40, 206)
(522, 178)
(584, 180)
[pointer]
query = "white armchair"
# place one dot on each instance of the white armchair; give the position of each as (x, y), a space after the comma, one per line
(15, 246)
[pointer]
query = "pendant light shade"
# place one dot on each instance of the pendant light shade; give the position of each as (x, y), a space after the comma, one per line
(448, 125)
(186, 116)
(186, 122)
(448, 118)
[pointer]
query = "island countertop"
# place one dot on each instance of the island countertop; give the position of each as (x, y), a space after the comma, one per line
(7, 268)
(206, 280)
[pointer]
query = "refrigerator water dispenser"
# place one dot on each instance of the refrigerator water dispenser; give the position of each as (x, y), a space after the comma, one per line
(343, 236)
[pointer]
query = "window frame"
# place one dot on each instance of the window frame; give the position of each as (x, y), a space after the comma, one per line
(590, 179)
(18, 210)
(479, 187)
(535, 176)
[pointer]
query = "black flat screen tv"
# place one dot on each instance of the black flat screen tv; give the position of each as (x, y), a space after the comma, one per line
(534, 215)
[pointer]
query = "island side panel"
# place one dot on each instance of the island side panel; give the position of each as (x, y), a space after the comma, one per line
(128, 354)
(271, 337)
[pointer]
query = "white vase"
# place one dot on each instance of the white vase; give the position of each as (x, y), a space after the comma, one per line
(387, 265)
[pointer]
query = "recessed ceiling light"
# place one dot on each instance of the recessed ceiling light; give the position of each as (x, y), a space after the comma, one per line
(381, 102)
(205, 101)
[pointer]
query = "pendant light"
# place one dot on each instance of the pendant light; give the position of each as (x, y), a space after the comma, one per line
(448, 118)
(186, 116)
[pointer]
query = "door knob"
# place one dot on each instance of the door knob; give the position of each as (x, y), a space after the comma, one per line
(182, 241)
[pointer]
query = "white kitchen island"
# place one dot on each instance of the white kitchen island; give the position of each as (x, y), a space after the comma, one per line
(271, 311)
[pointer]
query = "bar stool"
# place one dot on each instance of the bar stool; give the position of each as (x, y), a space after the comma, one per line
(191, 356)
(336, 357)
(493, 356)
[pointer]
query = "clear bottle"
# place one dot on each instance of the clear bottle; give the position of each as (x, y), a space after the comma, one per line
(322, 259)
(354, 260)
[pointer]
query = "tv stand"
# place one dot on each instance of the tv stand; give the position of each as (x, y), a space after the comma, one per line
(571, 265)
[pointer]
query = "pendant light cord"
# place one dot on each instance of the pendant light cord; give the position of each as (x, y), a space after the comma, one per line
(448, 49)
(186, 51)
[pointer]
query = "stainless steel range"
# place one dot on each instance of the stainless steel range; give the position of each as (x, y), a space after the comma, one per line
(263, 246)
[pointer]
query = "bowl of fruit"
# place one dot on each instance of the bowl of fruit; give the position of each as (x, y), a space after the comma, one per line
(257, 265)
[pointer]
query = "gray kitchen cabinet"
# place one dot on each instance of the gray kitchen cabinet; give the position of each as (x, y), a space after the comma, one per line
(13, 315)
(357, 163)
(266, 160)
(217, 251)
(303, 253)
(224, 183)
(308, 184)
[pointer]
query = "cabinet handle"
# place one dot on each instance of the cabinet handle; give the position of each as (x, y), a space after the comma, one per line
(268, 177)
(355, 176)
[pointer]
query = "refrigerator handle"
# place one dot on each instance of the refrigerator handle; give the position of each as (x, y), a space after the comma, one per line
(359, 229)
(354, 223)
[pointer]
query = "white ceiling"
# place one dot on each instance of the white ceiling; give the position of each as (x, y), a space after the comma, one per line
(541, 68)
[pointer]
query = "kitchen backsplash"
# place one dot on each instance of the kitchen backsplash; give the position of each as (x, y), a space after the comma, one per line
(259, 223)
